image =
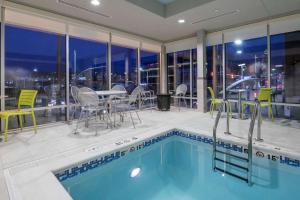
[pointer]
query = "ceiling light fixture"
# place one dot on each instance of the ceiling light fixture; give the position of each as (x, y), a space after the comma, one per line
(238, 42)
(181, 21)
(95, 2)
(239, 52)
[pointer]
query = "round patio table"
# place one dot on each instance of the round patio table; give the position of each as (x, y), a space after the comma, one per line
(239, 92)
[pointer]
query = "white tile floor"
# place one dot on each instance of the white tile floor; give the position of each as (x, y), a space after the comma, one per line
(57, 141)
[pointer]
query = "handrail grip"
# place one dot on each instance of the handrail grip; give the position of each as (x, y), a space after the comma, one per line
(250, 137)
(215, 131)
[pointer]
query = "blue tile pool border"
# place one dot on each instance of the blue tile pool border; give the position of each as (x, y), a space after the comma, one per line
(100, 160)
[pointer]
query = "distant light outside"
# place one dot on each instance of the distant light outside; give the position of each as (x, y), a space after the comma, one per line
(238, 42)
(181, 21)
(95, 2)
(239, 52)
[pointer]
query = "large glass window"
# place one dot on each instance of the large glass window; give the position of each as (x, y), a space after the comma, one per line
(183, 70)
(214, 69)
(88, 63)
(171, 72)
(150, 70)
(194, 77)
(246, 67)
(285, 72)
(124, 67)
(35, 60)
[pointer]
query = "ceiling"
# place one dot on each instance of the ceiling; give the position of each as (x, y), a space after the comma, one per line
(126, 16)
(168, 8)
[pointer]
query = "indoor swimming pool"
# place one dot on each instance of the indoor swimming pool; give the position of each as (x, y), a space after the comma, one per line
(178, 168)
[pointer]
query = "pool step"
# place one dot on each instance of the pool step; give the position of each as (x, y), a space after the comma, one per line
(231, 174)
(226, 162)
(232, 164)
(249, 160)
(232, 155)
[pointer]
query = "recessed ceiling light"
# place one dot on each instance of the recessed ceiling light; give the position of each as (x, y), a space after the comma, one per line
(238, 42)
(95, 2)
(239, 52)
(181, 21)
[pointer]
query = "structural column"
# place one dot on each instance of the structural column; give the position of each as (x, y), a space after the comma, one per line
(163, 71)
(201, 71)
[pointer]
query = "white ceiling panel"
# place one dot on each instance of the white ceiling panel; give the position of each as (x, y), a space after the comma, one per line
(125, 16)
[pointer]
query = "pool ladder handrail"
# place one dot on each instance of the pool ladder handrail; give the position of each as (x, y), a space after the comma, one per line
(250, 146)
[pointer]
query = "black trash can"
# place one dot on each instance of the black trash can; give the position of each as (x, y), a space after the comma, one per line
(163, 102)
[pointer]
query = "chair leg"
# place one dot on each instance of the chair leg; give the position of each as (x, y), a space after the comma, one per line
(138, 116)
(228, 109)
(34, 122)
(20, 121)
(270, 113)
(6, 130)
(131, 119)
(212, 109)
(96, 117)
(243, 110)
(109, 121)
(77, 124)
(230, 113)
(184, 100)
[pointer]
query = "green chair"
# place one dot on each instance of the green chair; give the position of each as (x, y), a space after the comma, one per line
(264, 97)
(26, 99)
(214, 102)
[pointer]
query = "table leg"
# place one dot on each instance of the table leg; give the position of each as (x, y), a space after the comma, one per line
(239, 106)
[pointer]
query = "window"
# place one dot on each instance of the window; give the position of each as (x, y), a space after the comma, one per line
(214, 70)
(285, 72)
(124, 67)
(150, 70)
(35, 60)
(194, 77)
(88, 63)
(246, 67)
(171, 72)
(183, 72)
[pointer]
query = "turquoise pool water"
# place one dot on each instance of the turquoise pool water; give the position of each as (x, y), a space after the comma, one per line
(181, 169)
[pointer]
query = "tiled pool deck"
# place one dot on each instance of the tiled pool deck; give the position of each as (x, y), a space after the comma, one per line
(55, 146)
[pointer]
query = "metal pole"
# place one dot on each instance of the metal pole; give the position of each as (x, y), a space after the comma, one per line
(109, 62)
(224, 68)
(68, 74)
(227, 117)
(259, 139)
(139, 65)
(191, 79)
(2, 71)
(269, 55)
(215, 135)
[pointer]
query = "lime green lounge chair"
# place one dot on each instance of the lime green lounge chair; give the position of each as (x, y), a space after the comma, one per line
(264, 97)
(26, 99)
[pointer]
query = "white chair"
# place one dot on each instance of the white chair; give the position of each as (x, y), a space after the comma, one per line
(74, 93)
(147, 97)
(128, 105)
(180, 95)
(118, 88)
(91, 106)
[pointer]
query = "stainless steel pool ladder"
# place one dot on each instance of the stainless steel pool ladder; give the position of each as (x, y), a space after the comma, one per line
(248, 160)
